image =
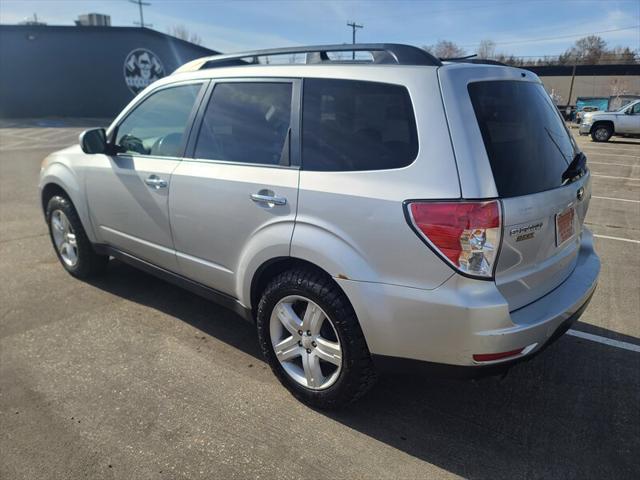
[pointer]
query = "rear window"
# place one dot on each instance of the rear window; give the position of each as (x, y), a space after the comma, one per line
(355, 125)
(526, 140)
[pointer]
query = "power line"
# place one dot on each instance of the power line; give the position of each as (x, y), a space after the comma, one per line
(559, 37)
(140, 4)
(353, 26)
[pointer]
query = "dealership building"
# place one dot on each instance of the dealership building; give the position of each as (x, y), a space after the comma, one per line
(82, 71)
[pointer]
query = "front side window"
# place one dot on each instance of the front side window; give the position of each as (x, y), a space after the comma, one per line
(246, 122)
(635, 110)
(352, 125)
(157, 126)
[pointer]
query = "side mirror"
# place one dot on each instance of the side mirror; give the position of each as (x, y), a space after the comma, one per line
(94, 140)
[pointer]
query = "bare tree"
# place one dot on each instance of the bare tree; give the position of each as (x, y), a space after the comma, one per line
(486, 49)
(621, 55)
(586, 50)
(181, 32)
(445, 49)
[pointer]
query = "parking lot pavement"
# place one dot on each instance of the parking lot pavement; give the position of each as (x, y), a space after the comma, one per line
(130, 377)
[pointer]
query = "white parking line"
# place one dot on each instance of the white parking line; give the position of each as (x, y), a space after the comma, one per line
(617, 199)
(616, 178)
(607, 341)
(599, 154)
(612, 164)
(611, 145)
(36, 147)
(620, 239)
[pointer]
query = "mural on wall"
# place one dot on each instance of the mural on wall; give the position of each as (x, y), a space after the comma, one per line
(142, 67)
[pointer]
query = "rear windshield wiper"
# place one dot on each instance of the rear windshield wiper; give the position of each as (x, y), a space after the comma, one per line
(576, 169)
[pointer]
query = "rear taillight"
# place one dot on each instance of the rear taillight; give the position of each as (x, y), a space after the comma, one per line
(465, 234)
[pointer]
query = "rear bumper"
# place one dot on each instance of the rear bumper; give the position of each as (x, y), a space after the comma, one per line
(385, 364)
(463, 317)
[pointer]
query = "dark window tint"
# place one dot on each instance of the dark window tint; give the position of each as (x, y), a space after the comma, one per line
(157, 125)
(246, 122)
(352, 125)
(527, 143)
(635, 109)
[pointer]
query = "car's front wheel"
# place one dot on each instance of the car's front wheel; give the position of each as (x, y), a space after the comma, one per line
(601, 133)
(70, 241)
(312, 340)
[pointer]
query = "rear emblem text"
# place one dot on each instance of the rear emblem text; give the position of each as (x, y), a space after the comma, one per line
(525, 232)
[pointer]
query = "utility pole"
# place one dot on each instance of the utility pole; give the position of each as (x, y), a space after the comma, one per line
(353, 26)
(573, 78)
(140, 4)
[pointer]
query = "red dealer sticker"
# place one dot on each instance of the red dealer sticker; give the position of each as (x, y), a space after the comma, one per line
(565, 228)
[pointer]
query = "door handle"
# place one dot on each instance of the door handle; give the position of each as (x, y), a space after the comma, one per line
(268, 198)
(155, 182)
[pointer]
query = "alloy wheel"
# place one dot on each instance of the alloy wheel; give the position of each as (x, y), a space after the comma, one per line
(305, 342)
(64, 238)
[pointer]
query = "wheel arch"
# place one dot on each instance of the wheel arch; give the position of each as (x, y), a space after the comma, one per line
(273, 267)
(605, 122)
(59, 180)
(50, 190)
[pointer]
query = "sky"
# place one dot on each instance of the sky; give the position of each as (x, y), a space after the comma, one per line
(518, 27)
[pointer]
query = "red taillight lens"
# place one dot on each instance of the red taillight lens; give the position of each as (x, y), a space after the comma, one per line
(467, 234)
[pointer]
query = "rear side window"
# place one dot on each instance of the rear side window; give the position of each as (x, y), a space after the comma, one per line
(246, 122)
(527, 143)
(354, 125)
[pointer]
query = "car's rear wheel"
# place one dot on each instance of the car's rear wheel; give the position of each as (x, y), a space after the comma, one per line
(601, 133)
(311, 337)
(70, 241)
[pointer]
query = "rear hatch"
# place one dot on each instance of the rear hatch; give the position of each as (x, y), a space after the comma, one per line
(538, 174)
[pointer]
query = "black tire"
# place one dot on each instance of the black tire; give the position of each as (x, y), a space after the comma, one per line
(357, 374)
(601, 133)
(89, 263)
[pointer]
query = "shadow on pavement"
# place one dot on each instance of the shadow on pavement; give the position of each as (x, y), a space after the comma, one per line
(571, 412)
(137, 286)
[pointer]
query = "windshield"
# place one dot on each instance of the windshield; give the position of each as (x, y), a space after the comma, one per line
(527, 142)
(627, 105)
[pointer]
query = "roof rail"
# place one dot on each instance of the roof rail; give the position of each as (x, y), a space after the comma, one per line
(382, 53)
(459, 59)
(473, 59)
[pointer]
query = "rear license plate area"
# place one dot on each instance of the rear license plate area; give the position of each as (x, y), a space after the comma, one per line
(565, 226)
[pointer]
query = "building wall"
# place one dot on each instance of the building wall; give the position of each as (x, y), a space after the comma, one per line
(600, 86)
(590, 81)
(78, 71)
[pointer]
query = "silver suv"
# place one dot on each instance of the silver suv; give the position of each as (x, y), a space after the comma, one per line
(389, 211)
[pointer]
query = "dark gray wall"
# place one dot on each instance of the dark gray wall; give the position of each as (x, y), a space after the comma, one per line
(76, 71)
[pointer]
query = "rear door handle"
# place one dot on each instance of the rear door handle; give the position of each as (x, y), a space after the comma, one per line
(268, 198)
(156, 182)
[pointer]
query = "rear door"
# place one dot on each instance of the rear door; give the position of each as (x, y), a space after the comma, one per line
(236, 196)
(523, 141)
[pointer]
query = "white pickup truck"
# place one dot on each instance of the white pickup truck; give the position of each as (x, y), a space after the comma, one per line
(602, 125)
